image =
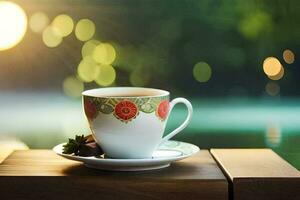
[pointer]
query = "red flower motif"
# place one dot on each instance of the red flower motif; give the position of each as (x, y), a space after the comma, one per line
(90, 110)
(126, 110)
(163, 109)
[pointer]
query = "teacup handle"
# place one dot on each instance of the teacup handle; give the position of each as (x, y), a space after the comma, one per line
(186, 121)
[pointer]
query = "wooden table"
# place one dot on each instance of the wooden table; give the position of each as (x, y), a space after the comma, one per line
(40, 174)
(258, 174)
(251, 174)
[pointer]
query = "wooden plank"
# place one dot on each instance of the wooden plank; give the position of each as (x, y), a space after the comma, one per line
(40, 174)
(8, 145)
(258, 174)
(4, 152)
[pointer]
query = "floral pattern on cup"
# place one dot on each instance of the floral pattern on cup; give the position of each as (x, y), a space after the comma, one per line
(90, 110)
(126, 109)
(163, 109)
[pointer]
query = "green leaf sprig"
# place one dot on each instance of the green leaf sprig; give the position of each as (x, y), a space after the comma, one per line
(74, 145)
(83, 146)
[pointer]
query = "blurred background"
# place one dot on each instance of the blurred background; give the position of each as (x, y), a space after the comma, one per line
(235, 60)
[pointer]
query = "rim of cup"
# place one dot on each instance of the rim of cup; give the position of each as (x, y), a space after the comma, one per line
(124, 92)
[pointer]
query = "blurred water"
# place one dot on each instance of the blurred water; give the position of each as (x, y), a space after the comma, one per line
(40, 119)
(54, 113)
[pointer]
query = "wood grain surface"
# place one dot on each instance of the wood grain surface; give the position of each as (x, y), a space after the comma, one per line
(8, 145)
(4, 152)
(40, 174)
(258, 174)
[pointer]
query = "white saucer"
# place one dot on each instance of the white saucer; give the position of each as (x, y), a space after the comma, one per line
(168, 152)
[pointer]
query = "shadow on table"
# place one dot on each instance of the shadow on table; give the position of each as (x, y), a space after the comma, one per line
(181, 169)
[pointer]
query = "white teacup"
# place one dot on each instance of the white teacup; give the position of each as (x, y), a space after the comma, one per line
(129, 122)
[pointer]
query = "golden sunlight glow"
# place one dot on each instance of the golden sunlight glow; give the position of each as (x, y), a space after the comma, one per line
(88, 48)
(277, 76)
(64, 24)
(85, 29)
(288, 56)
(72, 86)
(38, 22)
(202, 72)
(104, 53)
(13, 24)
(51, 37)
(88, 69)
(106, 76)
(272, 89)
(271, 66)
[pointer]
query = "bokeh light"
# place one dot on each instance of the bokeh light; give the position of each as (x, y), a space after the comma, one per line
(255, 24)
(64, 25)
(72, 86)
(277, 76)
(288, 56)
(106, 76)
(89, 47)
(88, 69)
(273, 135)
(202, 72)
(13, 24)
(38, 22)
(104, 53)
(51, 37)
(85, 29)
(271, 66)
(272, 88)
